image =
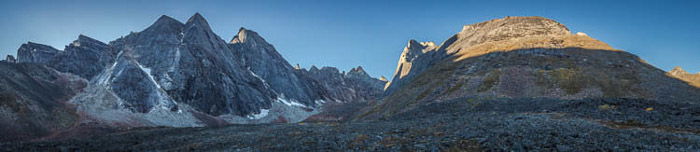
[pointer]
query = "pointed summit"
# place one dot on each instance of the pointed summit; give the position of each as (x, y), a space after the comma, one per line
(198, 20)
(359, 69)
(166, 19)
(165, 24)
(358, 72)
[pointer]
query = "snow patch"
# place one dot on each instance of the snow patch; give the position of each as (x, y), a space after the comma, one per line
(290, 102)
(148, 73)
(263, 113)
(259, 78)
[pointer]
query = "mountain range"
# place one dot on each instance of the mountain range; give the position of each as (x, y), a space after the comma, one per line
(171, 74)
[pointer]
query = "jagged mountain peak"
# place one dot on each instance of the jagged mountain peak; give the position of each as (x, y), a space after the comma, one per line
(313, 68)
(165, 24)
(164, 19)
(414, 48)
(197, 19)
(359, 71)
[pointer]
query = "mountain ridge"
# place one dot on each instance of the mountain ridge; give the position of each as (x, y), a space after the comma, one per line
(524, 57)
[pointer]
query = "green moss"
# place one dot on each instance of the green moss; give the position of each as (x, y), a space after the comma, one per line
(570, 80)
(457, 86)
(490, 81)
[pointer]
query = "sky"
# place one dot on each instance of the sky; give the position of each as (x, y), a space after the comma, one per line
(372, 34)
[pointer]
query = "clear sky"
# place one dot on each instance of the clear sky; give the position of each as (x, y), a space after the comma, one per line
(367, 33)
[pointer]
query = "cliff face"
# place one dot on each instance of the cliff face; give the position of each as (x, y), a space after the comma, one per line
(31, 52)
(528, 57)
(265, 62)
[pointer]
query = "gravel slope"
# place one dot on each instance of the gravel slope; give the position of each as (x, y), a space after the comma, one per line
(465, 124)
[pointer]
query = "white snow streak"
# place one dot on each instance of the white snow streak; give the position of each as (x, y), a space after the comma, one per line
(263, 113)
(148, 73)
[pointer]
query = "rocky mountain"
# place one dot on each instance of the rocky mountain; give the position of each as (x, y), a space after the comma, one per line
(350, 90)
(177, 74)
(692, 79)
(523, 57)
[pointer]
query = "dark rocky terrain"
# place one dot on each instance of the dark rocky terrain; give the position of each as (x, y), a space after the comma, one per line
(464, 124)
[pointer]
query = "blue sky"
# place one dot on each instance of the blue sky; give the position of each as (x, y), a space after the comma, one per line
(372, 34)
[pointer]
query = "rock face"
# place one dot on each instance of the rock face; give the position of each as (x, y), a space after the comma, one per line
(35, 53)
(265, 62)
(524, 57)
(85, 57)
(415, 58)
(193, 65)
(692, 79)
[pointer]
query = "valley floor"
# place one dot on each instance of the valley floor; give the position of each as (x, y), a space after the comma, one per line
(465, 124)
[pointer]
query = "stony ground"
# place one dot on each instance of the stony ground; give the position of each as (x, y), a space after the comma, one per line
(465, 124)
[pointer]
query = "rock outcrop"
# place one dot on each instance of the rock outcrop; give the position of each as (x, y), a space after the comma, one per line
(31, 52)
(10, 59)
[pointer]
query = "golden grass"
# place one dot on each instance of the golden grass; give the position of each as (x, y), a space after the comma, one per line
(563, 41)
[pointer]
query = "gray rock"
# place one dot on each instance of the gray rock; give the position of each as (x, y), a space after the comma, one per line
(31, 52)
(10, 59)
(265, 62)
(85, 57)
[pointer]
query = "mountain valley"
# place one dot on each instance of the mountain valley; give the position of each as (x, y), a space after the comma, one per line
(509, 84)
